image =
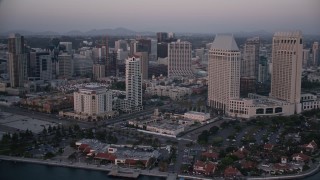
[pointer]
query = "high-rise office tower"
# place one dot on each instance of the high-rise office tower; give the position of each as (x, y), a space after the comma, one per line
(144, 59)
(315, 54)
(162, 36)
(250, 62)
(287, 65)
(263, 70)
(65, 66)
(223, 72)
(143, 45)
(112, 64)
(153, 55)
(121, 44)
(68, 46)
(40, 65)
(17, 61)
(179, 59)
(249, 66)
(162, 50)
(99, 71)
(134, 83)
(306, 58)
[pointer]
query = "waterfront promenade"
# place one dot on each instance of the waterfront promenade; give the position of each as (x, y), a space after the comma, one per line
(81, 165)
(156, 173)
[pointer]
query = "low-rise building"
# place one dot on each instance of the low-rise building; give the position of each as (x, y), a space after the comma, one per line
(310, 147)
(232, 172)
(207, 168)
(300, 157)
(48, 103)
(116, 154)
(174, 92)
(257, 105)
(165, 128)
(197, 116)
(310, 101)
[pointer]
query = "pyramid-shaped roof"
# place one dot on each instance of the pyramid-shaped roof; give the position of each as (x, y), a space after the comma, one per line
(225, 42)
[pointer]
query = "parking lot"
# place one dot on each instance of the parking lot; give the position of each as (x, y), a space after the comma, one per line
(20, 122)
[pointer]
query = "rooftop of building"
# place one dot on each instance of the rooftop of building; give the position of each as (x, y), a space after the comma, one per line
(289, 34)
(196, 113)
(225, 42)
(136, 154)
(166, 125)
(263, 101)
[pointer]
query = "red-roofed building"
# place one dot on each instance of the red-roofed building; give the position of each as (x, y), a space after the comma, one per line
(82, 147)
(106, 156)
(268, 147)
(241, 153)
(133, 162)
(300, 157)
(207, 168)
(87, 150)
(231, 172)
(310, 147)
(248, 165)
(210, 155)
(281, 167)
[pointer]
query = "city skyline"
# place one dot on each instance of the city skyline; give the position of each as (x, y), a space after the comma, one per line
(203, 16)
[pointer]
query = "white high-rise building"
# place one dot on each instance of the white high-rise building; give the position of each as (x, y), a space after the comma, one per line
(223, 72)
(133, 83)
(92, 100)
(287, 65)
(179, 59)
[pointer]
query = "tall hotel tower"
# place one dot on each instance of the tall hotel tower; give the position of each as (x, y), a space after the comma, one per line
(134, 83)
(17, 62)
(224, 72)
(286, 67)
(179, 59)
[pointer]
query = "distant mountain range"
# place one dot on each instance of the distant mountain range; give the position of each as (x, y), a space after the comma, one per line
(95, 32)
(127, 32)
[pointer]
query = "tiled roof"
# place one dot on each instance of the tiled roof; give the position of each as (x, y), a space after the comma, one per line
(213, 155)
(231, 171)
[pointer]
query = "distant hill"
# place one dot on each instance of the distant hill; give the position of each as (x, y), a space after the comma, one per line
(95, 32)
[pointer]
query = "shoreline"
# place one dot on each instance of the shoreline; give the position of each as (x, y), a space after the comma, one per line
(108, 168)
(78, 165)
(309, 173)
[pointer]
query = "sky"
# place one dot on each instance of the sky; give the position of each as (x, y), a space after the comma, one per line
(199, 16)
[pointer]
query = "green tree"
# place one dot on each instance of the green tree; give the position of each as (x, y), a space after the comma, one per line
(213, 130)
